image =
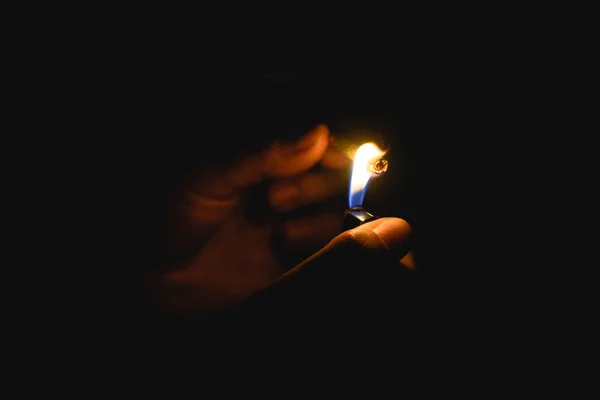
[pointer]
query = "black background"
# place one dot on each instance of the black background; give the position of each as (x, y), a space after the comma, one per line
(123, 117)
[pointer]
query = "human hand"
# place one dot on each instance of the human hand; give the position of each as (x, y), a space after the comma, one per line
(229, 255)
(361, 275)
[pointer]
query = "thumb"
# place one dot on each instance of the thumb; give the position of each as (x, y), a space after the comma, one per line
(358, 268)
(381, 240)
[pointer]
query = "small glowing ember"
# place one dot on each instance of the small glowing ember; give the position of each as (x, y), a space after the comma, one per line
(379, 166)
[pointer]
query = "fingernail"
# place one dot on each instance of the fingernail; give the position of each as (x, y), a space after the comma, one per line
(283, 195)
(393, 232)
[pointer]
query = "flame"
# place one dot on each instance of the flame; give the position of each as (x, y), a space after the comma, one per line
(361, 173)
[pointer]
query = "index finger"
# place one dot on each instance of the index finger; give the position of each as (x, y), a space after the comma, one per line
(288, 160)
(334, 159)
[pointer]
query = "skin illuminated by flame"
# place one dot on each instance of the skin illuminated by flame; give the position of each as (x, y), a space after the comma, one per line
(367, 164)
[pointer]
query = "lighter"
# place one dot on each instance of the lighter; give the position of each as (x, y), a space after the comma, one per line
(368, 163)
(356, 216)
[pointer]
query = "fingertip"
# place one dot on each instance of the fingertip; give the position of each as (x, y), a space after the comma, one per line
(311, 137)
(288, 160)
(392, 232)
(333, 159)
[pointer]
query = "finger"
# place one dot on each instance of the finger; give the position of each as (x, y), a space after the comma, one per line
(388, 236)
(190, 217)
(399, 244)
(305, 189)
(207, 198)
(303, 234)
(333, 159)
(287, 160)
(279, 160)
(388, 233)
(350, 270)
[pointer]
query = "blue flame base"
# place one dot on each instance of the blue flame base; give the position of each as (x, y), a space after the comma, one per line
(356, 199)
